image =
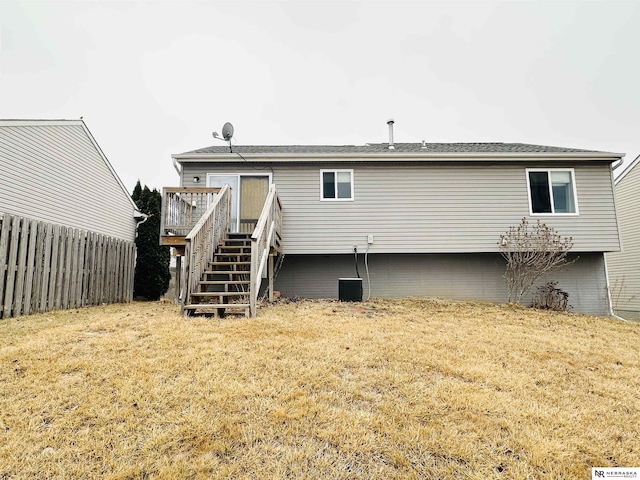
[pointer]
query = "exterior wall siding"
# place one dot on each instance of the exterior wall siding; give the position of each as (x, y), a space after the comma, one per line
(435, 208)
(624, 267)
(453, 276)
(55, 173)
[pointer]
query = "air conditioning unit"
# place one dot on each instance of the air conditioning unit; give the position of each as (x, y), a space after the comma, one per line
(350, 289)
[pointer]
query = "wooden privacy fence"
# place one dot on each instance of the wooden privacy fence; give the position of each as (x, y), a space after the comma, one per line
(47, 267)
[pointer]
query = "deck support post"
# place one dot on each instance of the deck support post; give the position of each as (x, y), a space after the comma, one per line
(271, 296)
(178, 279)
(252, 278)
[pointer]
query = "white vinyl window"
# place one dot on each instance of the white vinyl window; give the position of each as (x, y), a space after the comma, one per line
(336, 184)
(552, 191)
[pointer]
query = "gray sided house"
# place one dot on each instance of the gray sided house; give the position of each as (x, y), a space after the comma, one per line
(624, 266)
(425, 219)
(54, 171)
(67, 223)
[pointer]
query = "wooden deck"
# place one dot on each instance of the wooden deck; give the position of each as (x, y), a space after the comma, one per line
(197, 223)
(182, 207)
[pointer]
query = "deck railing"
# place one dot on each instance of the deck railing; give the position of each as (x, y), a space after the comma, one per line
(265, 240)
(182, 207)
(203, 239)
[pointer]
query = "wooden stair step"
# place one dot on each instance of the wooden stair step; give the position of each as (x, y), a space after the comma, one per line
(193, 306)
(228, 269)
(227, 272)
(219, 294)
(230, 263)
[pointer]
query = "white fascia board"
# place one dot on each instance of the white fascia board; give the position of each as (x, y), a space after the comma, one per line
(35, 122)
(394, 157)
(109, 166)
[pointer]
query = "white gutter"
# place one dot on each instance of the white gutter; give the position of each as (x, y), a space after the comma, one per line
(618, 164)
(176, 166)
(626, 169)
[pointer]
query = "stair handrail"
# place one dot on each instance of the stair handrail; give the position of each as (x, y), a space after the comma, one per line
(203, 239)
(266, 236)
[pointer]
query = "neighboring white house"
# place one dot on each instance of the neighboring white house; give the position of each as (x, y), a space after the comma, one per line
(67, 223)
(624, 266)
(428, 216)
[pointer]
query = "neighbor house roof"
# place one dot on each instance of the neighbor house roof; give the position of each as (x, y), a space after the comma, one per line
(401, 151)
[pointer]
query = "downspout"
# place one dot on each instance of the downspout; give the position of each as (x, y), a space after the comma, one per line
(139, 215)
(606, 268)
(606, 276)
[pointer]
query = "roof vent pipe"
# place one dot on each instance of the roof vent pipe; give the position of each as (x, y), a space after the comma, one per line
(391, 145)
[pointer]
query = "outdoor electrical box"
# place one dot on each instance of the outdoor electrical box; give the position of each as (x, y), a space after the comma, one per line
(350, 289)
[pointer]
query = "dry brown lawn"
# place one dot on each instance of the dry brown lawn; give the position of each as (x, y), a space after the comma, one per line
(416, 388)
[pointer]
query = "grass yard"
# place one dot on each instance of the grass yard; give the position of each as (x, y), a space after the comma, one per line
(423, 389)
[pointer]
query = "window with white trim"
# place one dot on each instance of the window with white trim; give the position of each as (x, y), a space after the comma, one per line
(336, 184)
(552, 191)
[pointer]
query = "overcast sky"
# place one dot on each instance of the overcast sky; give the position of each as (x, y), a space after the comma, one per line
(154, 78)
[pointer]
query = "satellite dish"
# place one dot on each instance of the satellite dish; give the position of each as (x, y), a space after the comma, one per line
(227, 131)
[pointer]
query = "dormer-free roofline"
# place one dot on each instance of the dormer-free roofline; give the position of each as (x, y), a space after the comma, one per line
(403, 152)
(387, 157)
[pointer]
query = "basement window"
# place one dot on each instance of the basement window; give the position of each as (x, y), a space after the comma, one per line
(336, 184)
(552, 192)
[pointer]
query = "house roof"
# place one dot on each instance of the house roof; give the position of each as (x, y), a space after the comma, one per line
(399, 147)
(402, 151)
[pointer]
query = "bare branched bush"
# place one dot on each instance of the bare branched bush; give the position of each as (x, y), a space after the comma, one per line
(550, 297)
(619, 293)
(531, 252)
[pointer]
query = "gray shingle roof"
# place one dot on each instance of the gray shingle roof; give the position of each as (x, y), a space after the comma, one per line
(384, 148)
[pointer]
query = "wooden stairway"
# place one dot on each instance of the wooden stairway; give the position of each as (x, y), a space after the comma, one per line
(225, 282)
